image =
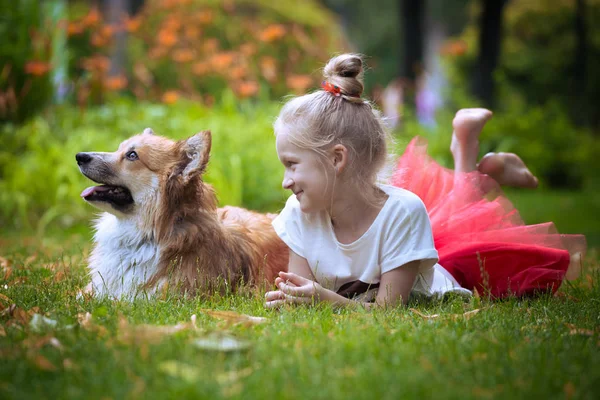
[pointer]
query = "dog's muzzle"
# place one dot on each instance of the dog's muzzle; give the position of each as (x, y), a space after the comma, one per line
(96, 169)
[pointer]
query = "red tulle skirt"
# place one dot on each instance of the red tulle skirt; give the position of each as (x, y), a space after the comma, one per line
(480, 237)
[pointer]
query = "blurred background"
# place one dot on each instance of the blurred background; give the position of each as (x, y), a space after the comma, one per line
(84, 75)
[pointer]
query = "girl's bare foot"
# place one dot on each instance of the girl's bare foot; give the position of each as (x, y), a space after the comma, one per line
(574, 269)
(508, 170)
(467, 125)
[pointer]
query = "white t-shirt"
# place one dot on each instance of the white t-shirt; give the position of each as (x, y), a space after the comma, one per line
(401, 233)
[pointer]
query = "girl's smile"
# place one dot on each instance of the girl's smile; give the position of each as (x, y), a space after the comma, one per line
(307, 174)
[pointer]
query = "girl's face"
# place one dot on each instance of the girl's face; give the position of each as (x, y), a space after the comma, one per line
(308, 174)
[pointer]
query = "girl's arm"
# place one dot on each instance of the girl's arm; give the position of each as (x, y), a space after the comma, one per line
(299, 286)
(299, 266)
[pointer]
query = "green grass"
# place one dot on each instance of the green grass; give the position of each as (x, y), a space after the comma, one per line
(572, 212)
(543, 348)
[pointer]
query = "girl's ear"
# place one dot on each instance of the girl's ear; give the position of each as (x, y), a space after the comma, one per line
(339, 158)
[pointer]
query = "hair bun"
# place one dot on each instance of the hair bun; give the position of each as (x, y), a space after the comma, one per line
(346, 72)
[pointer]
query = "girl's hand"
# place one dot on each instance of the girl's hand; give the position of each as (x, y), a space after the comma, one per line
(293, 289)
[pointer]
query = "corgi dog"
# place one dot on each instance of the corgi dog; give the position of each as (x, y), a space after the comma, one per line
(161, 225)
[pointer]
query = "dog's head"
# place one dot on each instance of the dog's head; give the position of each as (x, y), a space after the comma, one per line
(132, 176)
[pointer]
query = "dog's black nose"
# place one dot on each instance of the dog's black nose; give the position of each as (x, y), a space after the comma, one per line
(83, 158)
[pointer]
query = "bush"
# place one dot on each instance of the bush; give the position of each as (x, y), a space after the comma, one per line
(560, 154)
(198, 48)
(41, 182)
(539, 56)
(25, 52)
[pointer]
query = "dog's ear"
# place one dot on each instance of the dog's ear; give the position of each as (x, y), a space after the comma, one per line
(148, 131)
(195, 154)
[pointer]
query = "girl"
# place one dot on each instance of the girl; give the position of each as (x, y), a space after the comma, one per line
(353, 241)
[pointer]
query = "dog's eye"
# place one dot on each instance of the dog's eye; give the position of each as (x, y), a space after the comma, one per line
(131, 156)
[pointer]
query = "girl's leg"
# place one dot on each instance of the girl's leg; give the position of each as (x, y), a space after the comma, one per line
(467, 125)
(505, 168)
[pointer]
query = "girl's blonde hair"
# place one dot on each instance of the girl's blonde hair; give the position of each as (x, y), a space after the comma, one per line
(319, 120)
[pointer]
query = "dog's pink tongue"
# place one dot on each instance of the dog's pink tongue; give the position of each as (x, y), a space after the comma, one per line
(88, 191)
(93, 189)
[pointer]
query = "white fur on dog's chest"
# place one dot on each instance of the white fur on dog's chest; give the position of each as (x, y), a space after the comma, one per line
(122, 260)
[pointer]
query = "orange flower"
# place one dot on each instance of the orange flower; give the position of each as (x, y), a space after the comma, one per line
(115, 82)
(132, 24)
(167, 38)
(248, 49)
(205, 17)
(97, 40)
(272, 33)
(299, 83)
(92, 18)
(37, 68)
(191, 32)
(157, 52)
(74, 28)
(107, 31)
(268, 68)
(96, 63)
(183, 55)
(172, 24)
(238, 72)
(221, 61)
(210, 45)
(170, 97)
(246, 88)
(454, 48)
(200, 68)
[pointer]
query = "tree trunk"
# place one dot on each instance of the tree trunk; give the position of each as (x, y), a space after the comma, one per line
(412, 13)
(490, 39)
(580, 64)
(115, 11)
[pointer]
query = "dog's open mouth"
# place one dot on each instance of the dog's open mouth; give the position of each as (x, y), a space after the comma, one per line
(117, 195)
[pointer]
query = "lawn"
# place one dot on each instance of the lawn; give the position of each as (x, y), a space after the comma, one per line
(56, 344)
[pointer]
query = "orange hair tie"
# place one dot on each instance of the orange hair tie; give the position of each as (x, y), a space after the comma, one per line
(333, 89)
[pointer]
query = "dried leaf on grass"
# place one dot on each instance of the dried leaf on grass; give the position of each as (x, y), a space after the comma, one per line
(4, 262)
(29, 260)
(192, 374)
(131, 334)
(2, 331)
(575, 330)
(234, 318)
(7, 272)
(4, 301)
(18, 315)
(425, 316)
(43, 363)
(234, 376)
(567, 296)
(466, 316)
(34, 343)
(221, 342)
(85, 321)
(569, 390)
(180, 370)
(39, 322)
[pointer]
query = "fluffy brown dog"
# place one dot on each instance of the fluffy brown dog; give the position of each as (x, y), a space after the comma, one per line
(161, 224)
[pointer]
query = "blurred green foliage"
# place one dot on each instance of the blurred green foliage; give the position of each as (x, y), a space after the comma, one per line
(558, 152)
(25, 52)
(535, 113)
(540, 58)
(41, 182)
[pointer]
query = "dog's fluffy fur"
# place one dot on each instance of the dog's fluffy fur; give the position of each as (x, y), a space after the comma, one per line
(161, 224)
